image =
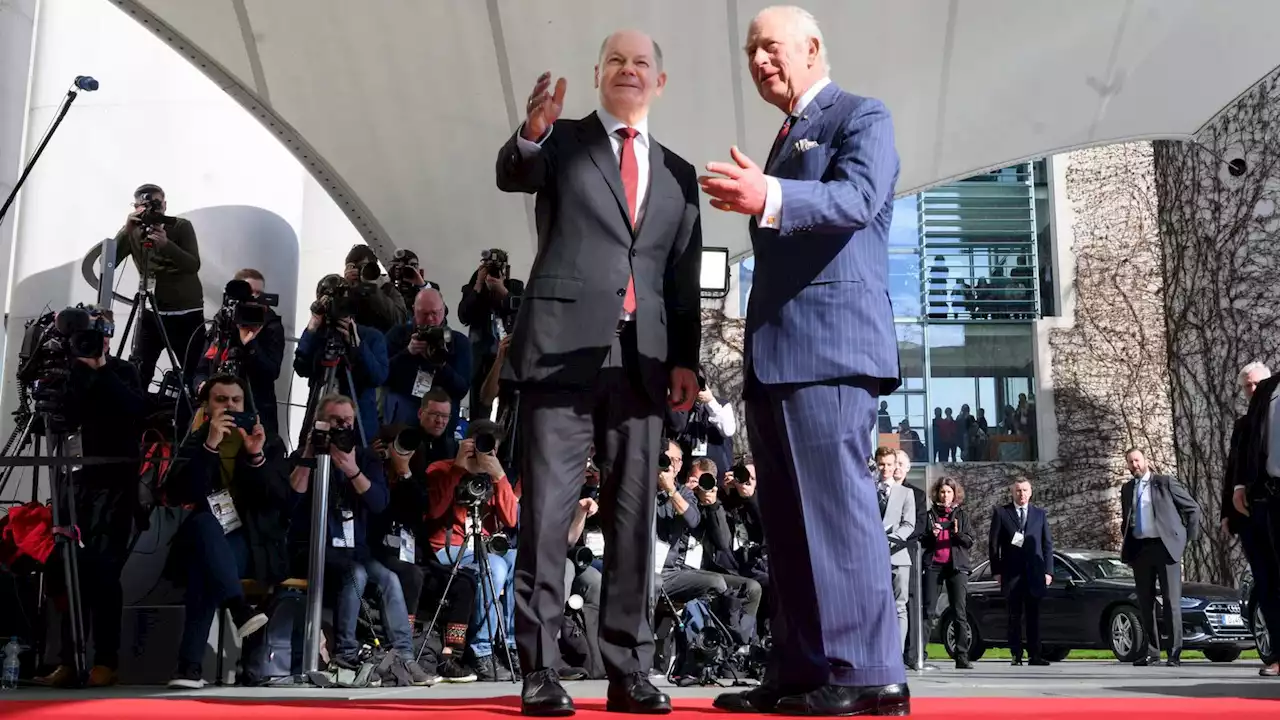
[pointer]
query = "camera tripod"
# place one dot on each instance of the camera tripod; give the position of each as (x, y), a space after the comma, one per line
(709, 673)
(334, 355)
(481, 556)
(145, 299)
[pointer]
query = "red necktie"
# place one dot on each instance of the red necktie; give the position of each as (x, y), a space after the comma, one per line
(782, 136)
(631, 183)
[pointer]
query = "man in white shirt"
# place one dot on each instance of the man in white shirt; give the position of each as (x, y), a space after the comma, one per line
(1158, 518)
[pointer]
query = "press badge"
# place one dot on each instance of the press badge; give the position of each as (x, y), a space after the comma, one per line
(403, 540)
(1017, 539)
(693, 556)
(660, 552)
(224, 509)
(700, 450)
(422, 383)
(151, 283)
(595, 543)
(348, 539)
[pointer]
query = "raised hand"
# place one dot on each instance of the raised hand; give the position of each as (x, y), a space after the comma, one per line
(543, 108)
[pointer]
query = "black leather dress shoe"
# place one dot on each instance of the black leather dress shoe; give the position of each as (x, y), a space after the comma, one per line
(1146, 661)
(635, 694)
(759, 699)
(876, 700)
(1039, 662)
(544, 696)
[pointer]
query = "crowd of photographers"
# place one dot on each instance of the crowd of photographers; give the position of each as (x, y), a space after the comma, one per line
(422, 517)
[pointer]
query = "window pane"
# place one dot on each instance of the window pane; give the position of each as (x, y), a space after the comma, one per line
(982, 373)
(903, 415)
(904, 283)
(904, 232)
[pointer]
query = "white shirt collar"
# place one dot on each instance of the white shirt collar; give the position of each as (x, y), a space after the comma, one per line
(1021, 507)
(1146, 477)
(809, 95)
(613, 125)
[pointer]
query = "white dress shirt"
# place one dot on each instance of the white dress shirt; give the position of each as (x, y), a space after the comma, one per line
(772, 215)
(721, 417)
(611, 127)
(1143, 509)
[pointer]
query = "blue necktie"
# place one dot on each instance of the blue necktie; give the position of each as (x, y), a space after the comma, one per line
(1137, 509)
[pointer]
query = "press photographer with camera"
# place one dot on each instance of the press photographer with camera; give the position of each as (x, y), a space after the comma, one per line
(248, 342)
(407, 277)
(476, 478)
(232, 473)
(333, 336)
(490, 301)
(358, 493)
(708, 429)
(167, 248)
(106, 496)
(378, 303)
(425, 354)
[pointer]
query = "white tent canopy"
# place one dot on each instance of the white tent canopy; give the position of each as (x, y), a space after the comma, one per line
(399, 106)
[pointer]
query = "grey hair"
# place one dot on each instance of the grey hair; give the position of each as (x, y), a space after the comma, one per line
(657, 50)
(804, 24)
(1250, 369)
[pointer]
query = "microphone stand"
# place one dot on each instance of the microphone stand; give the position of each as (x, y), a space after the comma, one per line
(72, 94)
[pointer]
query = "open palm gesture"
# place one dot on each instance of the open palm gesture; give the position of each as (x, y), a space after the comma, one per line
(543, 108)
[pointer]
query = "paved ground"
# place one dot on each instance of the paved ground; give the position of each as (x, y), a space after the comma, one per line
(987, 679)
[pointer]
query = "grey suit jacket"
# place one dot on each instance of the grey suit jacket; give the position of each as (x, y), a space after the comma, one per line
(1177, 516)
(586, 251)
(899, 520)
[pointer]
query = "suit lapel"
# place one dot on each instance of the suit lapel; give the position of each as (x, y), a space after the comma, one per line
(807, 120)
(662, 195)
(601, 152)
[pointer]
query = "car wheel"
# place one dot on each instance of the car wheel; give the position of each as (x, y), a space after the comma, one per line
(1054, 653)
(1124, 634)
(1261, 637)
(1222, 654)
(976, 649)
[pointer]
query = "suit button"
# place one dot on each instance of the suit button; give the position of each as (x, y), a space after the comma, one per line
(635, 253)
(622, 292)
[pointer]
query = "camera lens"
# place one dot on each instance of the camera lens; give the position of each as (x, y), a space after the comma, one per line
(707, 481)
(486, 442)
(664, 461)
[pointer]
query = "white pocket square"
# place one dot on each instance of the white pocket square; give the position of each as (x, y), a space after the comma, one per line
(803, 145)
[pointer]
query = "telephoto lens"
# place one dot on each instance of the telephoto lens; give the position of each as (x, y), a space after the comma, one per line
(664, 461)
(707, 481)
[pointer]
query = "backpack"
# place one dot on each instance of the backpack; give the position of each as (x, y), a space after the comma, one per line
(276, 651)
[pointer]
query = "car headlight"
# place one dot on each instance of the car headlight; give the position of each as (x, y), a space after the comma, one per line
(1190, 602)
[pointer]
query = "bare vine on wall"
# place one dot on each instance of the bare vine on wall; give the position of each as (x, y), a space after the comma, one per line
(1220, 225)
(722, 360)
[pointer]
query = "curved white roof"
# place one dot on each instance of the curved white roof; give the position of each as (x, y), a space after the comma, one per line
(399, 106)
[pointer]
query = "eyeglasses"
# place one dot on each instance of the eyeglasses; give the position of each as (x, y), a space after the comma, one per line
(437, 415)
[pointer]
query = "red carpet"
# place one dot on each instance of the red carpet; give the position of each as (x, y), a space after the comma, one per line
(941, 708)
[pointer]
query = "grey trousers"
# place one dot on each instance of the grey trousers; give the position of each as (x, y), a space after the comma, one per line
(901, 593)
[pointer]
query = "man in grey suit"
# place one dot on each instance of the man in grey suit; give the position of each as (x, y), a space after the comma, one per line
(1158, 518)
(898, 513)
(606, 337)
(820, 349)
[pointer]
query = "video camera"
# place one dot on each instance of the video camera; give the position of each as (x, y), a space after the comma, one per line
(50, 344)
(439, 340)
(496, 263)
(241, 307)
(335, 299)
(323, 437)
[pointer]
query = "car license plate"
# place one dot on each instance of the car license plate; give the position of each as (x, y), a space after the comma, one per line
(1229, 620)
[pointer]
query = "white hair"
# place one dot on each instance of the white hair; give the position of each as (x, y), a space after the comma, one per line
(903, 457)
(804, 24)
(1252, 368)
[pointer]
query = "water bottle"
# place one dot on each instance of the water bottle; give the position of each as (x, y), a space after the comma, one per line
(11, 664)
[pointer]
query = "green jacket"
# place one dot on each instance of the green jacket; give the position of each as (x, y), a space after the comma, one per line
(176, 266)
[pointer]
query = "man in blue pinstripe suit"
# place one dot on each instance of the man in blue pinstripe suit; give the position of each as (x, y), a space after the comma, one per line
(820, 350)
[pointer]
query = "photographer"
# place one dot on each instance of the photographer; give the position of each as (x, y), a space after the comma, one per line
(252, 350)
(709, 428)
(106, 496)
(332, 328)
(489, 305)
(358, 492)
(407, 277)
(452, 485)
(582, 579)
(425, 354)
(377, 302)
(232, 473)
(166, 248)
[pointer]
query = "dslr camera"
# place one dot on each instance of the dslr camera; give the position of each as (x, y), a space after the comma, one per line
(323, 438)
(152, 210)
(707, 482)
(474, 489)
(334, 299)
(439, 340)
(496, 263)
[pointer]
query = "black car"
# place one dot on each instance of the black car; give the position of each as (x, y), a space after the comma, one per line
(1257, 624)
(1093, 604)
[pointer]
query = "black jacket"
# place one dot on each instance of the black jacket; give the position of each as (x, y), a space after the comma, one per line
(260, 363)
(176, 265)
(1251, 470)
(379, 305)
(1233, 476)
(961, 537)
(476, 310)
(261, 495)
(454, 376)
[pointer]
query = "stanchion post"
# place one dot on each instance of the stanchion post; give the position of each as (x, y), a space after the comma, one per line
(313, 632)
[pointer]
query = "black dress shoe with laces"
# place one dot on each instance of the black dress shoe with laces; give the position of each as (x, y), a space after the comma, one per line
(634, 693)
(828, 700)
(544, 696)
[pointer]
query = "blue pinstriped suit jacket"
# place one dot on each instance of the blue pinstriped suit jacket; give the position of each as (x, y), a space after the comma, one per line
(819, 307)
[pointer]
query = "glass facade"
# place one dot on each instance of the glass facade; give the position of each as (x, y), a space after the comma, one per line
(966, 278)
